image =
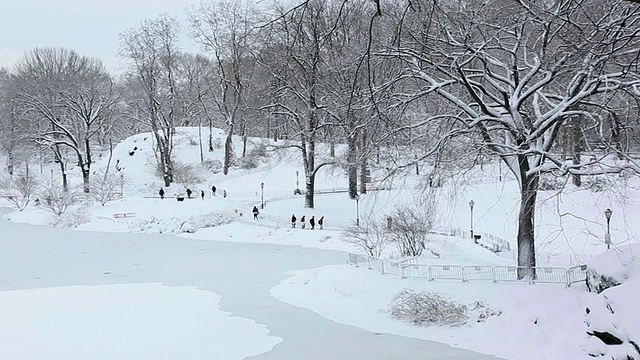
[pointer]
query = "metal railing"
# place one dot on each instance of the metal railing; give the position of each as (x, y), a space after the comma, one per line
(410, 268)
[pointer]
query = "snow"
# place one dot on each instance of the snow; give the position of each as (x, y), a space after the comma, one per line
(132, 321)
(537, 322)
(620, 264)
(616, 311)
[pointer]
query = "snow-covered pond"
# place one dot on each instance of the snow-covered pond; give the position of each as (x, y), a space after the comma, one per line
(78, 295)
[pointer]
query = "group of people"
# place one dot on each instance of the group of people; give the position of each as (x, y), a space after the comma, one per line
(312, 222)
(189, 192)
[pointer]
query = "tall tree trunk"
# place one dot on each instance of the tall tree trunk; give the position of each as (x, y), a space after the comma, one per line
(352, 165)
(576, 149)
(210, 135)
(363, 162)
(10, 161)
(85, 180)
(200, 141)
(63, 167)
(526, 238)
(228, 150)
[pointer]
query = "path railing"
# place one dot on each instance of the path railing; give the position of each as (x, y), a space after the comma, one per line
(410, 268)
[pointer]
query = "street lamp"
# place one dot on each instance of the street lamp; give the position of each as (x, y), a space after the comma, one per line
(471, 203)
(357, 210)
(121, 185)
(607, 236)
(262, 195)
(297, 182)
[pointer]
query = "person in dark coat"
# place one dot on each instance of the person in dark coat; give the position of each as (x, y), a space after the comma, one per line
(202, 194)
(312, 222)
(321, 222)
(293, 221)
(213, 190)
(302, 221)
(224, 193)
(161, 193)
(255, 213)
(189, 192)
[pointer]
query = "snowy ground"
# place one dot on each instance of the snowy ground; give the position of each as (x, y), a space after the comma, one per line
(569, 228)
(125, 322)
(537, 321)
(178, 296)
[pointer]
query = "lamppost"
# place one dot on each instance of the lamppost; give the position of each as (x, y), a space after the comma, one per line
(121, 185)
(607, 236)
(357, 210)
(262, 195)
(471, 203)
(297, 182)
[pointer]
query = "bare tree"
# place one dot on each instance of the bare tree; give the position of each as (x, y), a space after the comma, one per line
(73, 94)
(152, 50)
(372, 237)
(514, 72)
(18, 189)
(228, 30)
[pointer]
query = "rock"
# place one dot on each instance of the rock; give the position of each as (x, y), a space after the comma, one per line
(614, 320)
(606, 337)
(612, 268)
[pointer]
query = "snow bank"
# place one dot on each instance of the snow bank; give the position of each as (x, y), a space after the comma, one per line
(536, 321)
(613, 267)
(125, 322)
(613, 321)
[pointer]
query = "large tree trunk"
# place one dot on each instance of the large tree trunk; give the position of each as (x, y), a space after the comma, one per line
(576, 149)
(210, 135)
(228, 151)
(85, 180)
(352, 165)
(526, 239)
(363, 163)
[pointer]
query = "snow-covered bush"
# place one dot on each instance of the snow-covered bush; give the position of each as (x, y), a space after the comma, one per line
(551, 182)
(409, 228)
(56, 200)
(213, 165)
(427, 308)
(175, 225)
(18, 189)
(73, 219)
(372, 237)
(186, 174)
(106, 188)
(597, 184)
(613, 267)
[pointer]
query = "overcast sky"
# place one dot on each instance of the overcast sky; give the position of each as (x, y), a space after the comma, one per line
(90, 27)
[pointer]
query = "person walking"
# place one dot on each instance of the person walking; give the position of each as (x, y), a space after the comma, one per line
(321, 222)
(161, 193)
(302, 222)
(213, 190)
(224, 193)
(293, 221)
(202, 194)
(189, 192)
(312, 222)
(255, 213)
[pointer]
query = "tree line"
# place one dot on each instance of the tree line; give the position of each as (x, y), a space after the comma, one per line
(533, 84)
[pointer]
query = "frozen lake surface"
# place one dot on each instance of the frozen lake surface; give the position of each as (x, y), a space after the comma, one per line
(33, 257)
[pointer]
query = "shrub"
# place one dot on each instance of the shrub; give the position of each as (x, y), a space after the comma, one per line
(56, 200)
(409, 228)
(186, 174)
(371, 238)
(18, 189)
(214, 166)
(106, 188)
(427, 308)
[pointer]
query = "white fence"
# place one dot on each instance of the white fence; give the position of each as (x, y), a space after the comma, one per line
(410, 268)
